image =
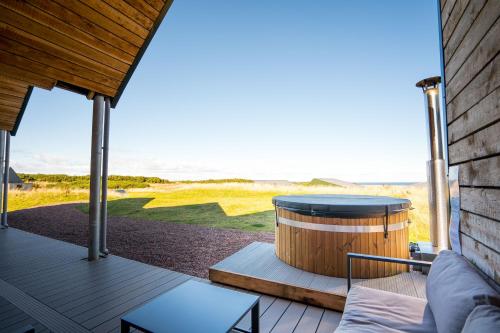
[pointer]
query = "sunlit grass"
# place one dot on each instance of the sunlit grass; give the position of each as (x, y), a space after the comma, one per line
(43, 197)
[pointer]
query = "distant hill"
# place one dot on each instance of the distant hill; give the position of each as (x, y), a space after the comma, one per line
(338, 182)
(327, 182)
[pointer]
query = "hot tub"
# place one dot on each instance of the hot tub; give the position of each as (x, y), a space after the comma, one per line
(315, 233)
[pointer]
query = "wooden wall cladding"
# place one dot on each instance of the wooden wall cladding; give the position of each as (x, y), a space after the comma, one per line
(471, 45)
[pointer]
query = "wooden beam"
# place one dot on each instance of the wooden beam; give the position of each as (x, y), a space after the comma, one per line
(27, 76)
(310, 296)
(7, 120)
(6, 126)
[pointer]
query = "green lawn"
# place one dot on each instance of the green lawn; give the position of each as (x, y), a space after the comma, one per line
(236, 206)
(35, 198)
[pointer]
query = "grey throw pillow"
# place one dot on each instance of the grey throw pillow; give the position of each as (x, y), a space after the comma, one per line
(451, 286)
(484, 319)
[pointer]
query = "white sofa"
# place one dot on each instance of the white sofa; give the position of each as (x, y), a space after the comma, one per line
(454, 290)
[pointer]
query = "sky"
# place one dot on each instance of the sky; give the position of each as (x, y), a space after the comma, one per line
(281, 89)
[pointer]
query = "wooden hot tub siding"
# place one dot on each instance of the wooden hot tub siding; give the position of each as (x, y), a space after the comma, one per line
(324, 252)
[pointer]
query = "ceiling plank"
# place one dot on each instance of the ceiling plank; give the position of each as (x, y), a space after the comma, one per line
(13, 82)
(34, 28)
(12, 90)
(157, 4)
(45, 58)
(103, 21)
(85, 25)
(144, 7)
(131, 12)
(9, 110)
(30, 77)
(11, 98)
(118, 17)
(54, 73)
(10, 103)
(46, 46)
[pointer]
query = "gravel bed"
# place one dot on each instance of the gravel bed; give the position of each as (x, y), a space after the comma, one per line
(185, 248)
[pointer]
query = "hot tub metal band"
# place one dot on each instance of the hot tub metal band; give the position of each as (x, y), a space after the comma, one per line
(343, 228)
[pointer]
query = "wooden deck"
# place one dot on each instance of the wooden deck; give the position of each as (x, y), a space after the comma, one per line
(257, 268)
(50, 285)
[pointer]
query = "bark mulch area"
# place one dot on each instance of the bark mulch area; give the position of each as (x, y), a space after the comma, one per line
(185, 248)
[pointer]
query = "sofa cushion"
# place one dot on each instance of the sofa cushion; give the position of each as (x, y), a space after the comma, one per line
(451, 286)
(484, 318)
(372, 310)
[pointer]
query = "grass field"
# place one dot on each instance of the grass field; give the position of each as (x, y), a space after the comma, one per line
(243, 206)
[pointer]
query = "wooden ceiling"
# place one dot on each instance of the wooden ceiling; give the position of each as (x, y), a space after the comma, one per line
(86, 46)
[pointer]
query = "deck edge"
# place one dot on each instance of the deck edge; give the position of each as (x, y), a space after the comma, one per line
(275, 288)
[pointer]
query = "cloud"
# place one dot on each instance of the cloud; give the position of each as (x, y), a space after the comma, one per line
(43, 163)
(298, 169)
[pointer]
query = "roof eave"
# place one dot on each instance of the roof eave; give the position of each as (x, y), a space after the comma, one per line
(140, 53)
(21, 111)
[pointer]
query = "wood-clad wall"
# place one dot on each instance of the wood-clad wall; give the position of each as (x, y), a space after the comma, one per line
(471, 43)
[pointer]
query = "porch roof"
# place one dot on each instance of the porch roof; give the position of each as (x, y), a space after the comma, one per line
(87, 47)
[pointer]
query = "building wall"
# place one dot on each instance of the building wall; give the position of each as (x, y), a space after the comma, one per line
(471, 44)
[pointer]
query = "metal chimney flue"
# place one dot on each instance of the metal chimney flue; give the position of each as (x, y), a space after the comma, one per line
(436, 166)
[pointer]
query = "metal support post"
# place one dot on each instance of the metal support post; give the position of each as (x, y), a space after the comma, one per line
(6, 181)
(2, 162)
(95, 178)
(104, 194)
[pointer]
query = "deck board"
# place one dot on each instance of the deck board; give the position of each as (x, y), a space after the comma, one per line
(257, 268)
(60, 287)
(310, 320)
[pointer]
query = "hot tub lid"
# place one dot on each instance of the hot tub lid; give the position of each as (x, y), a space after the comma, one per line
(334, 205)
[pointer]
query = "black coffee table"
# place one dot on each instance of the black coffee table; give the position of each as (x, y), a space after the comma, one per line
(193, 307)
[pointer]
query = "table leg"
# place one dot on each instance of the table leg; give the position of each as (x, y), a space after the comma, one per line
(255, 318)
(125, 327)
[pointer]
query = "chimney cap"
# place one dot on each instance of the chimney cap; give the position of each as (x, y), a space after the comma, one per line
(430, 82)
